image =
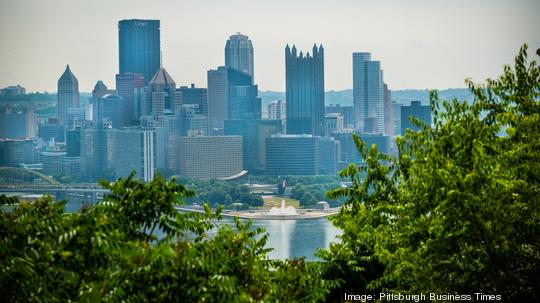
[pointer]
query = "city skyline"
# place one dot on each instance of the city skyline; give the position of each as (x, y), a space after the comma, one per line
(443, 43)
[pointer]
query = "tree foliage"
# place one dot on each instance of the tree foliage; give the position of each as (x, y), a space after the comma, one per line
(111, 252)
(458, 210)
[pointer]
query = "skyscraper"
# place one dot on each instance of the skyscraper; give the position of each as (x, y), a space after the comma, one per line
(368, 93)
(239, 54)
(163, 94)
(67, 95)
(139, 47)
(231, 95)
(196, 96)
(388, 112)
(305, 91)
(125, 85)
(133, 150)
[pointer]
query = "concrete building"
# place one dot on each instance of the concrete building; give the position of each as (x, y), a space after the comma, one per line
(388, 112)
(67, 95)
(231, 95)
(239, 54)
(51, 129)
(125, 85)
(292, 155)
(368, 93)
(333, 122)
(254, 134)
(345, 111)
(304, 87)
(139, 47)
(415, 110)
(195, 96)
(213, 157)
(52, 162)
(111, 107)
(17, 122)
(133, 150)
(330, 155)
(14, 90)
(14, 152)
(163, 96)
(96, 152)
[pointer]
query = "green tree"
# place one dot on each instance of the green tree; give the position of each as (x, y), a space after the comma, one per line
(458, 211)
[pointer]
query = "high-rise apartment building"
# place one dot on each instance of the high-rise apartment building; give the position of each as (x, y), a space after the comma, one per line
(368, 93)
(239, 54)
(305, 91)
(67, 95)
(139, 47)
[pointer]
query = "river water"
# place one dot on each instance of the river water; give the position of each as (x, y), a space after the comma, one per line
(287, 238)
(296, 238)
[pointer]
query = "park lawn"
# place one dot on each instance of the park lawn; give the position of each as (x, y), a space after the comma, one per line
(276, 202)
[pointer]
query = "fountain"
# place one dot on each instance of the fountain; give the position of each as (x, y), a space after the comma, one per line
(282, 211)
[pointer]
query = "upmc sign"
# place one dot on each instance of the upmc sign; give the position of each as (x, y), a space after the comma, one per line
(141, 24)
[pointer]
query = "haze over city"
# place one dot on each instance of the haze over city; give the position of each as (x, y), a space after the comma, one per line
(421, 44)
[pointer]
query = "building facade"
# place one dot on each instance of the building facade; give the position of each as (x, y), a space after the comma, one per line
(212, 157)
(415, 110)
(368, 93)
(67, 95)
(305, 91)
(239, 54)
(139, 47)
(292, 155)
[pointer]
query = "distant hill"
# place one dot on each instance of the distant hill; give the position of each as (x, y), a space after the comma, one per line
(344, 97)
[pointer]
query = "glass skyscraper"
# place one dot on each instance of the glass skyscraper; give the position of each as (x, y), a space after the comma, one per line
(305, 91)
(239, 54)
(139, 47)
(368, 94)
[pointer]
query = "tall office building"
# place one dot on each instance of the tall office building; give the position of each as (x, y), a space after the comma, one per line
(196, 96)
(96, 152)
(415, 110)
(305, 91)
(125, 86)
(163, 96)
(67, 95)
(254, 133)
(231, 95)
(239, 54)
(368, 93)
(17, 122)
(133, 150)
(139, 47)
(388, 112)
(14, 152)
(345, 111)
(111, 107)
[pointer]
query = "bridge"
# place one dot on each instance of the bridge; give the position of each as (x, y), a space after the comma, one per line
(22, 180)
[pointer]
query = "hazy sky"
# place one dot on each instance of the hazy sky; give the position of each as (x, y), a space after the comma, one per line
(422, 44)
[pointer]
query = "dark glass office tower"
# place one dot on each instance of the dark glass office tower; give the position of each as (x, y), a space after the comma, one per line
(139, 47)
(305, 91)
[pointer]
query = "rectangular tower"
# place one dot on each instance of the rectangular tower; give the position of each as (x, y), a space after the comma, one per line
(305, 91)
(139, 47)
(368, 94)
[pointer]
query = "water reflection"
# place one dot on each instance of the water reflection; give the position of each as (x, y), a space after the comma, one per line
(296, 238)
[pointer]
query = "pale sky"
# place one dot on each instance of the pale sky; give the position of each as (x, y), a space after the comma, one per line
(421, 43)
